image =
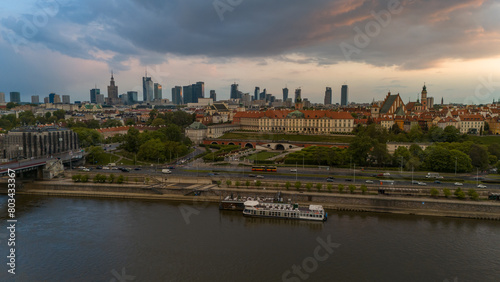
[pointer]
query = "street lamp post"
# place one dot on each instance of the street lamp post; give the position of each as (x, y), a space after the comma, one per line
(456, 160)
(401, 164)
(354, 173)
(412, 175)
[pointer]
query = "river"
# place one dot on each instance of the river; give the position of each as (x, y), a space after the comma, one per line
(84, 239)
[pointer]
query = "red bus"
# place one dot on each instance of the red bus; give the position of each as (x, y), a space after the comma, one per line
(264, 168)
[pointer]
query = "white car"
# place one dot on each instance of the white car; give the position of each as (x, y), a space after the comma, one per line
(293, 170)
(481, 186)
(86, 169)
(105, 167)
(369, 181)
(422, 183)
(166, 171)
(459, 184)
(260, 176)
(387, 174)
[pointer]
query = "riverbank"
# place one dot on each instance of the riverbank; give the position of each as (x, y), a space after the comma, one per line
(211, 193)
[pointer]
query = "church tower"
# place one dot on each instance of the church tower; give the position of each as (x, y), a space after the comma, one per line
(424, 98)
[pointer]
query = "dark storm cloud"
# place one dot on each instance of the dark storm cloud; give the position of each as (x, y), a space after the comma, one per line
(419, 35)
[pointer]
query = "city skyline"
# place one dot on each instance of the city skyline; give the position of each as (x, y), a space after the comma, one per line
(369, 45)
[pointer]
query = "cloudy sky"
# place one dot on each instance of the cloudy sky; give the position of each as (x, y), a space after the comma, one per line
(374, 46)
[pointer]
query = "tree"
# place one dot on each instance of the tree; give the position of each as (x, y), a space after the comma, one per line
(112, 123)
(228, 182)
(479, 156)
(85, 178)
(309, 186)
(459, 194)
(237, 183)
(151, 150)
(434, 192)
(473, 194)
(59, 114)
(247, 183)
(158, 122)
(446, 192)
(360, 148)
(494, 149)
(451, 133)
(352, 188)
(364, 189)
(341, 188)
(415, 134)
(288, 185)
(401, 153)
(379, 153)
(88, 137)
(11, 105)
(96, 155)
(76, 178)
(487, 128)
(298, 184)
(258, 183)
(329, 187)
(132, 143)
(111, 178)
(120, 179)
(319, 186)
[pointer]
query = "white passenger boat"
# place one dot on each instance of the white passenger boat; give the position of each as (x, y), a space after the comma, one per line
(280, 210)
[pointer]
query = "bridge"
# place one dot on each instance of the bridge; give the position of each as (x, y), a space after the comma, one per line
(41, 168)
(280, 145)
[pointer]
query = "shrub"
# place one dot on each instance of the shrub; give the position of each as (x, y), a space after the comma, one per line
(237, 183)
(309, 186)
(473, 194)
(120, 179)
(341, 188)
(329, 187)
(247, 183)
(319, 186)
(85, 178)
(288, 185)
(446, 192)
(352, 188)
(364, 189)
(111, 178)
(297, 185)
(76, 178)
(258, 183)
(228, 183)
(460, 194)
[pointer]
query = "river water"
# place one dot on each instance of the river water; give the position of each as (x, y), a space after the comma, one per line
(81, 239)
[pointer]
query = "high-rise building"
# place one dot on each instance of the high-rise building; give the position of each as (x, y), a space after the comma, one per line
(177, 95)
(93, 95)
(123, 98)
(112, 88)
(262, 95)
(132, 97)
(198, 91)
(66, 99)
(234, 91)
(285, 93)
(157, 92)
(46, 100)
(328, 96)
(2, 97)
(100, 99)
(298, 95)
(344, 95)
(54, 98)
(15, 97)
(187, 94)
(256, 93)
(213, 95)
(35, 99)
(147, 89)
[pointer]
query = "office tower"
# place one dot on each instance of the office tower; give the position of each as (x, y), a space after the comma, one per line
(256, 93)
(285, 93)
(35, 99)
(112, 89)
(93, 95)
(262, 95)
(158, 92)
(147, 89)
(54, 98)
(298, 95)
(177, 95)
(344, 96)
(2, 97)
(46, 100)
(100, 99)
(198, 91)
(187, 93)
(131, 97)
(213, 95)
(234, 91)
(15, 97)
(65, 99)
(328, 96)
(123, 98)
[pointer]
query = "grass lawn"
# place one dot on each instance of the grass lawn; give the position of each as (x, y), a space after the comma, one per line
(260, 156)
(486, 140)
(288, 137)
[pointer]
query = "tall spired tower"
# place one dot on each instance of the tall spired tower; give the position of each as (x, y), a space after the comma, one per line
(424, 98)
(112, 88)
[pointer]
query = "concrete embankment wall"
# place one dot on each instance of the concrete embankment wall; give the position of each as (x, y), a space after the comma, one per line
(335, 201)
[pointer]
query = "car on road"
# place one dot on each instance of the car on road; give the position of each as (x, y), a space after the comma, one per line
(369, 181)
(387, 174)
(422, 183)
(166, 171)
(459, 184)
(481, 186)
(171, 167)
(414, 182)
(98, 167)
(105, 167)
(86, 169)
(437, 182)
(260, 176)
(252, 175)
(124, 169)
(330, 179)
(293, 170)
(137, 168)
(348, 179)
(210, 174)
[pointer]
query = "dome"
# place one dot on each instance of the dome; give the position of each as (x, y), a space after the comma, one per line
(295, 114)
